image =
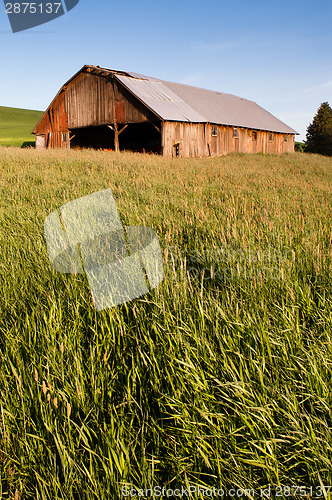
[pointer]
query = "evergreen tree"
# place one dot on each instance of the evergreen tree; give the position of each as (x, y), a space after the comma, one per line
(319, 132)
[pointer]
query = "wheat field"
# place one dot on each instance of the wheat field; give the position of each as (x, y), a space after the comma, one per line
(220, 377)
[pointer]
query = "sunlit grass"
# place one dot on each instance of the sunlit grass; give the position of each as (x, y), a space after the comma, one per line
(219, 377)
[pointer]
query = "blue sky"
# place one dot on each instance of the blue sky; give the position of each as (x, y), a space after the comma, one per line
(277, 54)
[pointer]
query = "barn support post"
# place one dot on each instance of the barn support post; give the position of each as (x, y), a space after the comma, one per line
(115, 124)
(116, 138)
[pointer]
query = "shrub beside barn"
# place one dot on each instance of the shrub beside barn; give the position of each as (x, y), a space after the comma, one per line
(117, 110)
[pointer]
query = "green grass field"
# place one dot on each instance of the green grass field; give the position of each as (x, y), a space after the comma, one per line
(221, 377)
(16, 126)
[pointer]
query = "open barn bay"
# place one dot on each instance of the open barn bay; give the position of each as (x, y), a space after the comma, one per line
(220, 377)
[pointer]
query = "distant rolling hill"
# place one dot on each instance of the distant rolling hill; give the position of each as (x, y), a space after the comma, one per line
(16, 125)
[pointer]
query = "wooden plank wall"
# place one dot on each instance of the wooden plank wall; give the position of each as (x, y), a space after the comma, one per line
(54, 124)
(91, 100)
(189, 136)
(88, 101)
(196, 139)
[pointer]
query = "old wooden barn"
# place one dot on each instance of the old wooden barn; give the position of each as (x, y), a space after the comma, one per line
(116, 110)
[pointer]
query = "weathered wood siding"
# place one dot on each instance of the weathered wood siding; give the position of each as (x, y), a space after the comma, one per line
(95, 100)
(196, 139)
(54, 124)
(189, 136)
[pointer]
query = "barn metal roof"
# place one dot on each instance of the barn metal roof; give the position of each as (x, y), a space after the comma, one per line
(213, 107)
(228, 109)
(161, 99)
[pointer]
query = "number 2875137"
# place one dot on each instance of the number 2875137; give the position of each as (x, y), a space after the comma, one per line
(33, 8)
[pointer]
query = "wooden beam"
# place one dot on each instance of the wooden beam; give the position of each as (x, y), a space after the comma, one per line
(123, 128)
(51, 117)
(155, 126)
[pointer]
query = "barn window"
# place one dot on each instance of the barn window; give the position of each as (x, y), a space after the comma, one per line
(271, 137)
(64, 137)
(254, 136)
(235, 133)
(214, 131)
(285, 138)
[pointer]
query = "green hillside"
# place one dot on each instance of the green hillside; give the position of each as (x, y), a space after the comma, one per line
(16, 125)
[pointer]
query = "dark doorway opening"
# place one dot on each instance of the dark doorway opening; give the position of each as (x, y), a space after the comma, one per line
(92, 137)
(139, 137)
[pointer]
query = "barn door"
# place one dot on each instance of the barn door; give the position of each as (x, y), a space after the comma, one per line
(40, 141)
